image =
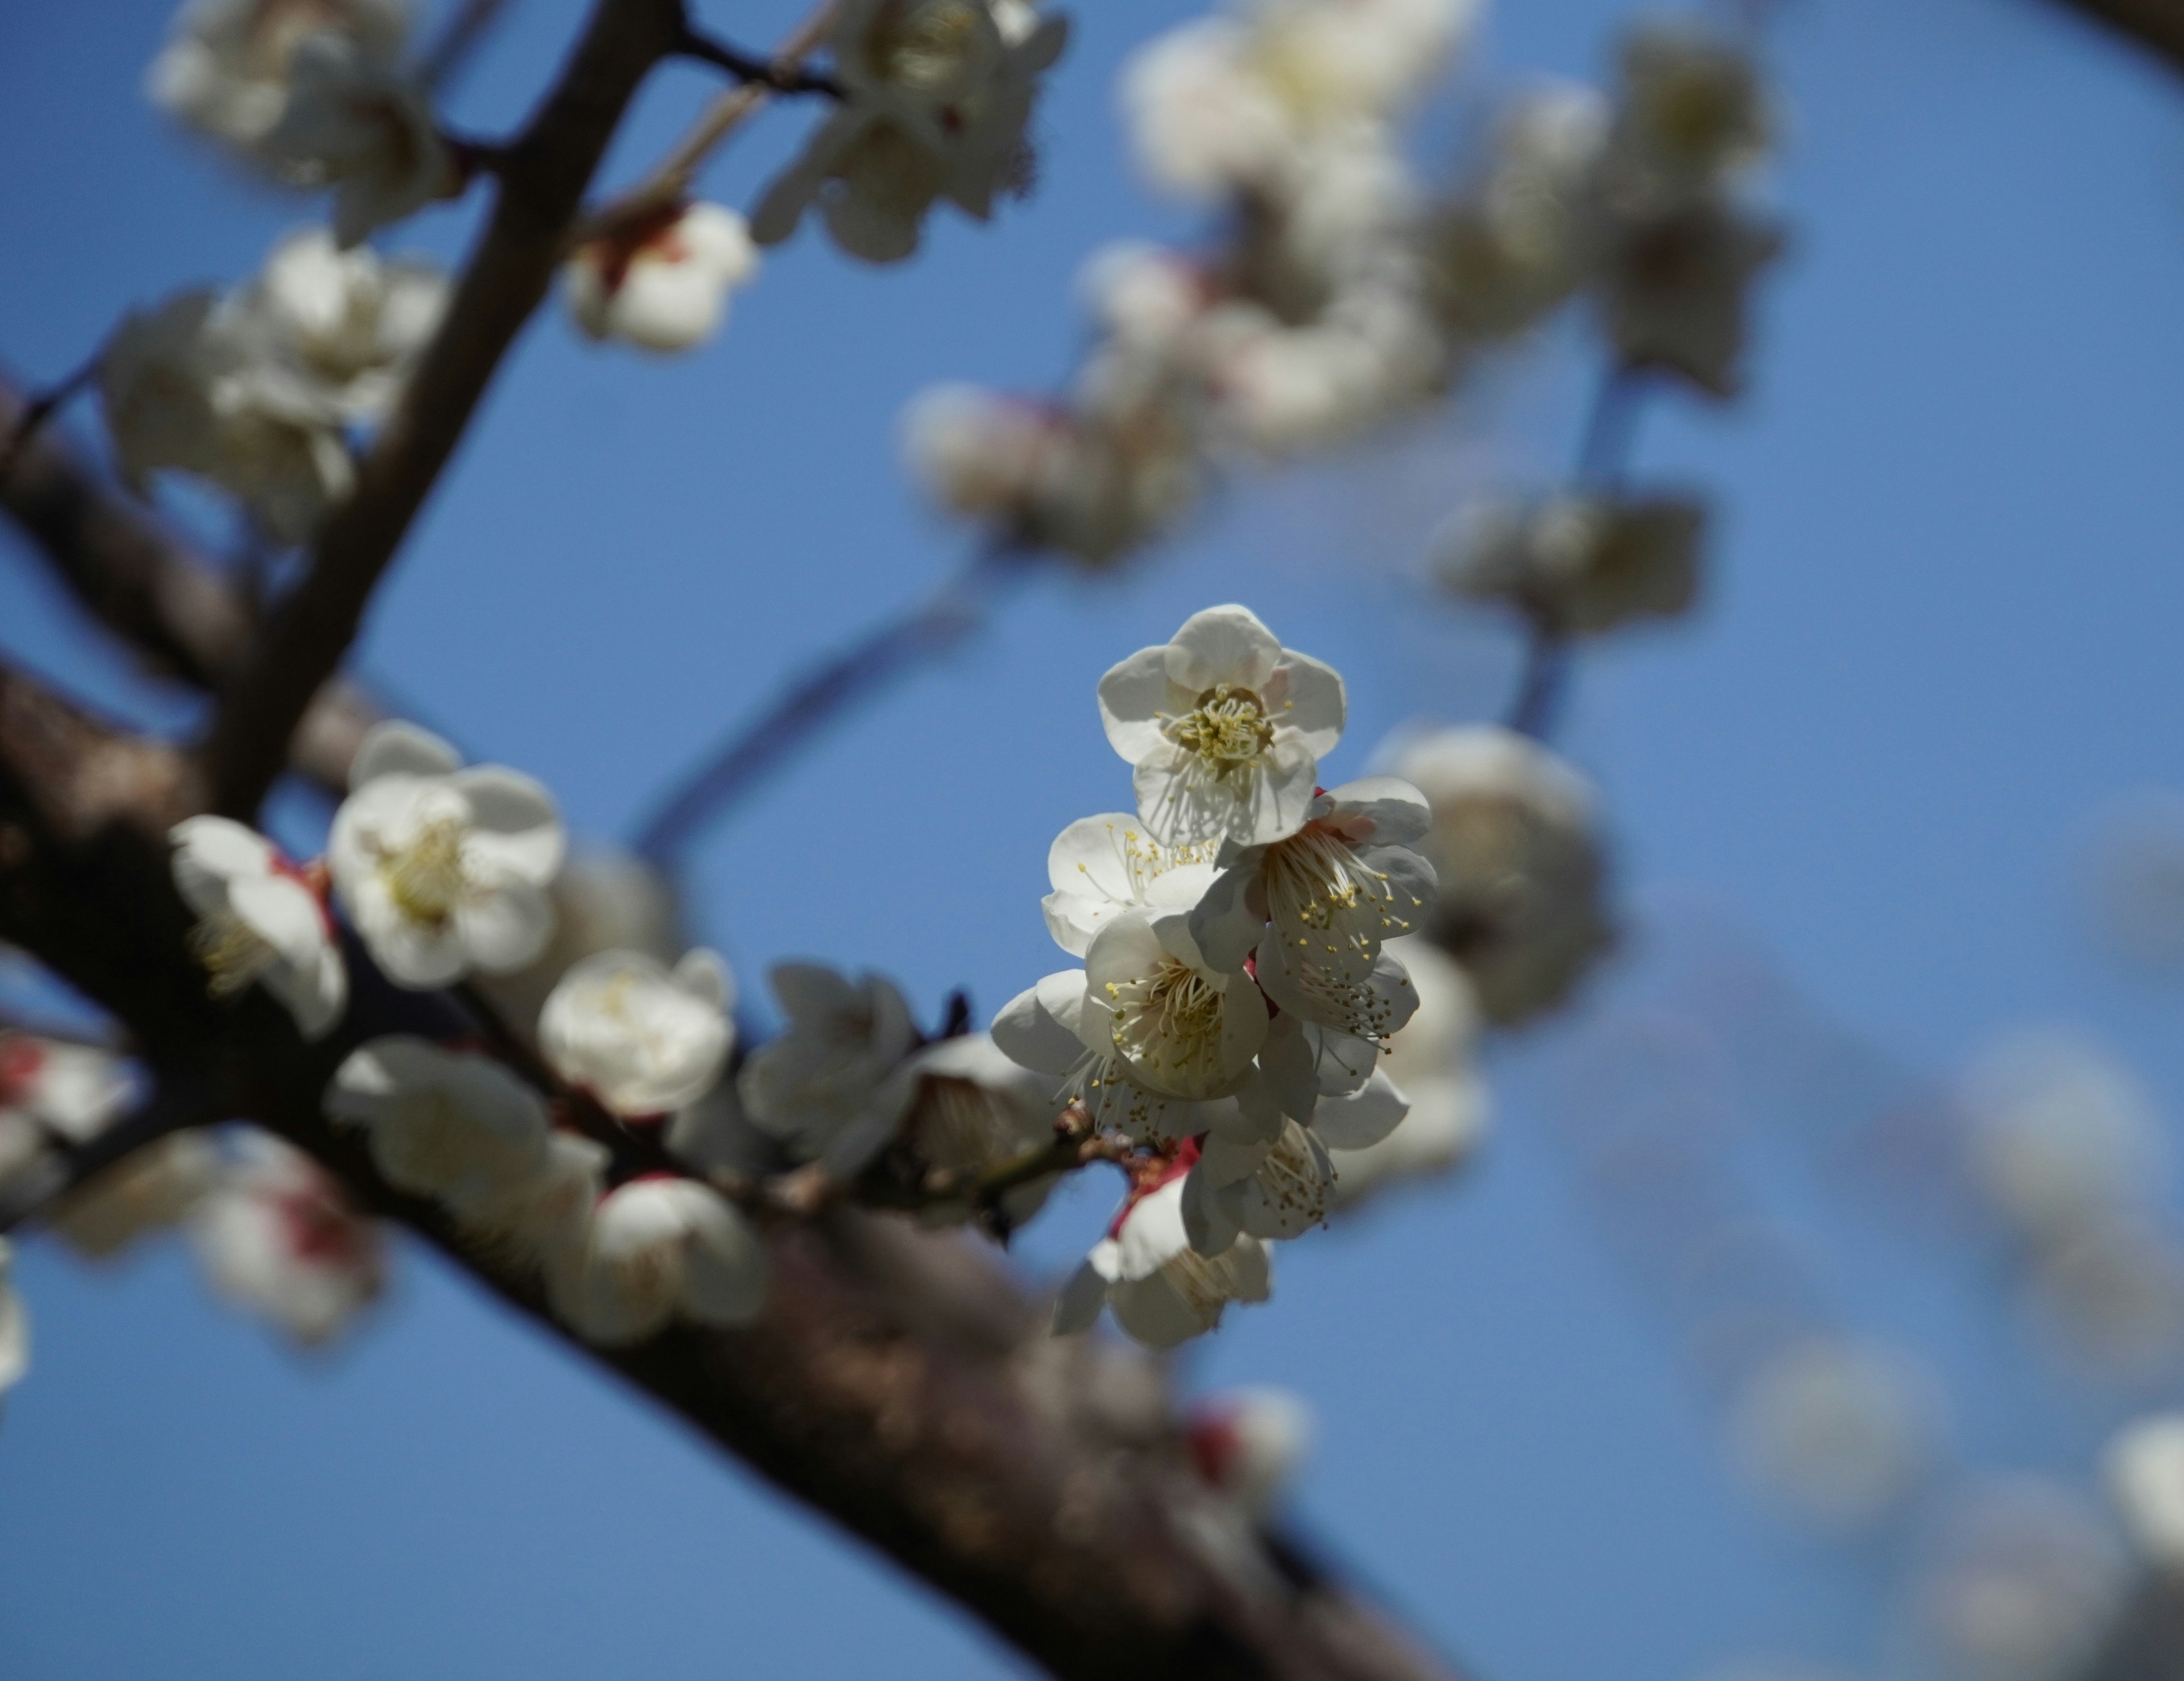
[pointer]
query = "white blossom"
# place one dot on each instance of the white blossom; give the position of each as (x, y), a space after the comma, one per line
(1042, 1029)
(227, 67)
(443, 869)
(1428, 1066)
(1673, 287)
(1693, 110)
(1162, 1292)
(1247, 1445)
(833, 1088)
(1200, 123)
(658, 1247)
(1280, 1187)
(1582, 563)
(277, 1238)
(14, 1325)
(544, 1218)
(1142, 293)
(53, 1092)
(351, 321)
(1225, 728)
(2142, 1469)
(1104, 865)
(1840, 1433)
(642, 1038)
(1516, 848)
(259, 922)
(936, 97)
(364, 128)
(1278, 390)
(981, 453)
(453, 1124)
(1177, 1027)
(664, 285)
(976, 1108)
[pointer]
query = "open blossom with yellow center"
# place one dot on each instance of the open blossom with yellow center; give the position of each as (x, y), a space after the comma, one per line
(642, 1039)
(260, 923)
(443, 870)
(1225, 728)
(1176, 1027)
(658, 1247)
(1101, 867)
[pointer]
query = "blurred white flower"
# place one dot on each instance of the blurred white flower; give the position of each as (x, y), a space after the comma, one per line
(259, 923)
(226, 70)
(443, 870)
(145, 1192)
(1428, 1065)
(974, 1109)
(351, 321)
(2025, 1584)
(1200, 123)
(658, 1247)
(14, 1325)
(277, 1238)
(979, 453)
(1516, 848)
(936, 95)
(2143, 1471)
(642, 1038)
(1102, 866)
(52, 1092)
(1247, 1443)
(1225, 728)
(359, 125)
(1673, 287)
(664, 285)
(453, 1124)
(1142, 293)
(1162, 1290)
(1692, 110)
(1839, 1432)
(1583, 564)
(1280, 390)
(542, 1219)
(834, 1087)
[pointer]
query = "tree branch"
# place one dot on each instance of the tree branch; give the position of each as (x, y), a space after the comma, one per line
(896, 1381)
(2158, 26)
(542, 179)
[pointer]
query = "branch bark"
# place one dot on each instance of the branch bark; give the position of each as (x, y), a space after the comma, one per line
(2156, 26)
(542, 178)
(898, 1382)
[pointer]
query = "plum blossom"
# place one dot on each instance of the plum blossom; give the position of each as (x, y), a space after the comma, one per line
(363, 127)
(1428, 1065)
(976, 1108)
(1102, 866)
(52, 1092)
(227, 68)
(1225, 728)
(1516, 848)
(145, 1192)
(664, 285)
(1162, 1291)
(2142, 1469)
(1581, 563)
(979, 453)
(1177, 1027)
(834, 1087)
(540, 1220)
(443, 870)
(351, 322)
(1042, 1029)
(603, 900)
(452, 1125)
(1694, 110)
(1276, 1188)
(642, 1038)
(1247, 1445)
(259, 922)
(936, 95)
(14, 1325)
(658, 1247)
(277, 1238)
(1674, 284)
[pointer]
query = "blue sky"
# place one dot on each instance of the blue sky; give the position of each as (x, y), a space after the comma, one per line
(1940, 634)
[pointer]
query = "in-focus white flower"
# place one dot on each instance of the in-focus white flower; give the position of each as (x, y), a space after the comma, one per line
(1042, 1029)
(833, 1088)
(1840, 1433)
(277, 1238)
(226, 69)
(663, 286)
(1247, 1443)
(2142, 1469)
(1162, 1290)
(364, 128)
(443, 870)
(1274, 1189)
(936, 97)
(642, 1038)
(1516, 848)
(1583, 564)
(1102, 866)
(14, 1325)
(259, 922)
(449, 1124)
(350, 321)
(1225, 728)
(658, 1247)
(1429, 1066)
(1177, 1027)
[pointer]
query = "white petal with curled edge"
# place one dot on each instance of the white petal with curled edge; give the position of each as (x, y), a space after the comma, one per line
(703, 974)
(1030, 1028)
(313, 992)
(507, 928)
(1308, 697)
(1253, 1270)
(1410, 878)
(1380, 811)
(1363, 1118)
(1078, 1304)
(812, 992)
(397, 749)
(1133, 696)
(516, 827)
(1223, 645)
(222, 846)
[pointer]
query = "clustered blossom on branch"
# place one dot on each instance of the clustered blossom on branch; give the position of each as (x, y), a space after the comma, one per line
(663, 283)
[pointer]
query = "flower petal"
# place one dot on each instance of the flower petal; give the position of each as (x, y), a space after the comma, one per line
(1223, 645)
(398, 749)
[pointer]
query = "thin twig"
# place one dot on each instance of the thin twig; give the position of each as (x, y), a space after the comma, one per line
(779, 74)
(42, 407)
(727, 774)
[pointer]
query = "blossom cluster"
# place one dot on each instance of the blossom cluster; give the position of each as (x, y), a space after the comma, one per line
(1344, 293)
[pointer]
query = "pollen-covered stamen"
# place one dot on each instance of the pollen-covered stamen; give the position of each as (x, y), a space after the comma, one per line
(1290, 1177)
(426, 878)
(1226, 734)
(1169, 1024)
(1331, 907)
(231, 953)
(1356, 1006)
(1206, 1284)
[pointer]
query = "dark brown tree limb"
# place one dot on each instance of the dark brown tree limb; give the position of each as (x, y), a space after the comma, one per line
(135, 577)
(898, 1382)
(2156, 26)
(542, 177)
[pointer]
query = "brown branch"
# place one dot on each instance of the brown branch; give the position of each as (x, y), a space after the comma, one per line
(897, 1381)
(542, 178)
(142, 582)
(2158, 26)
